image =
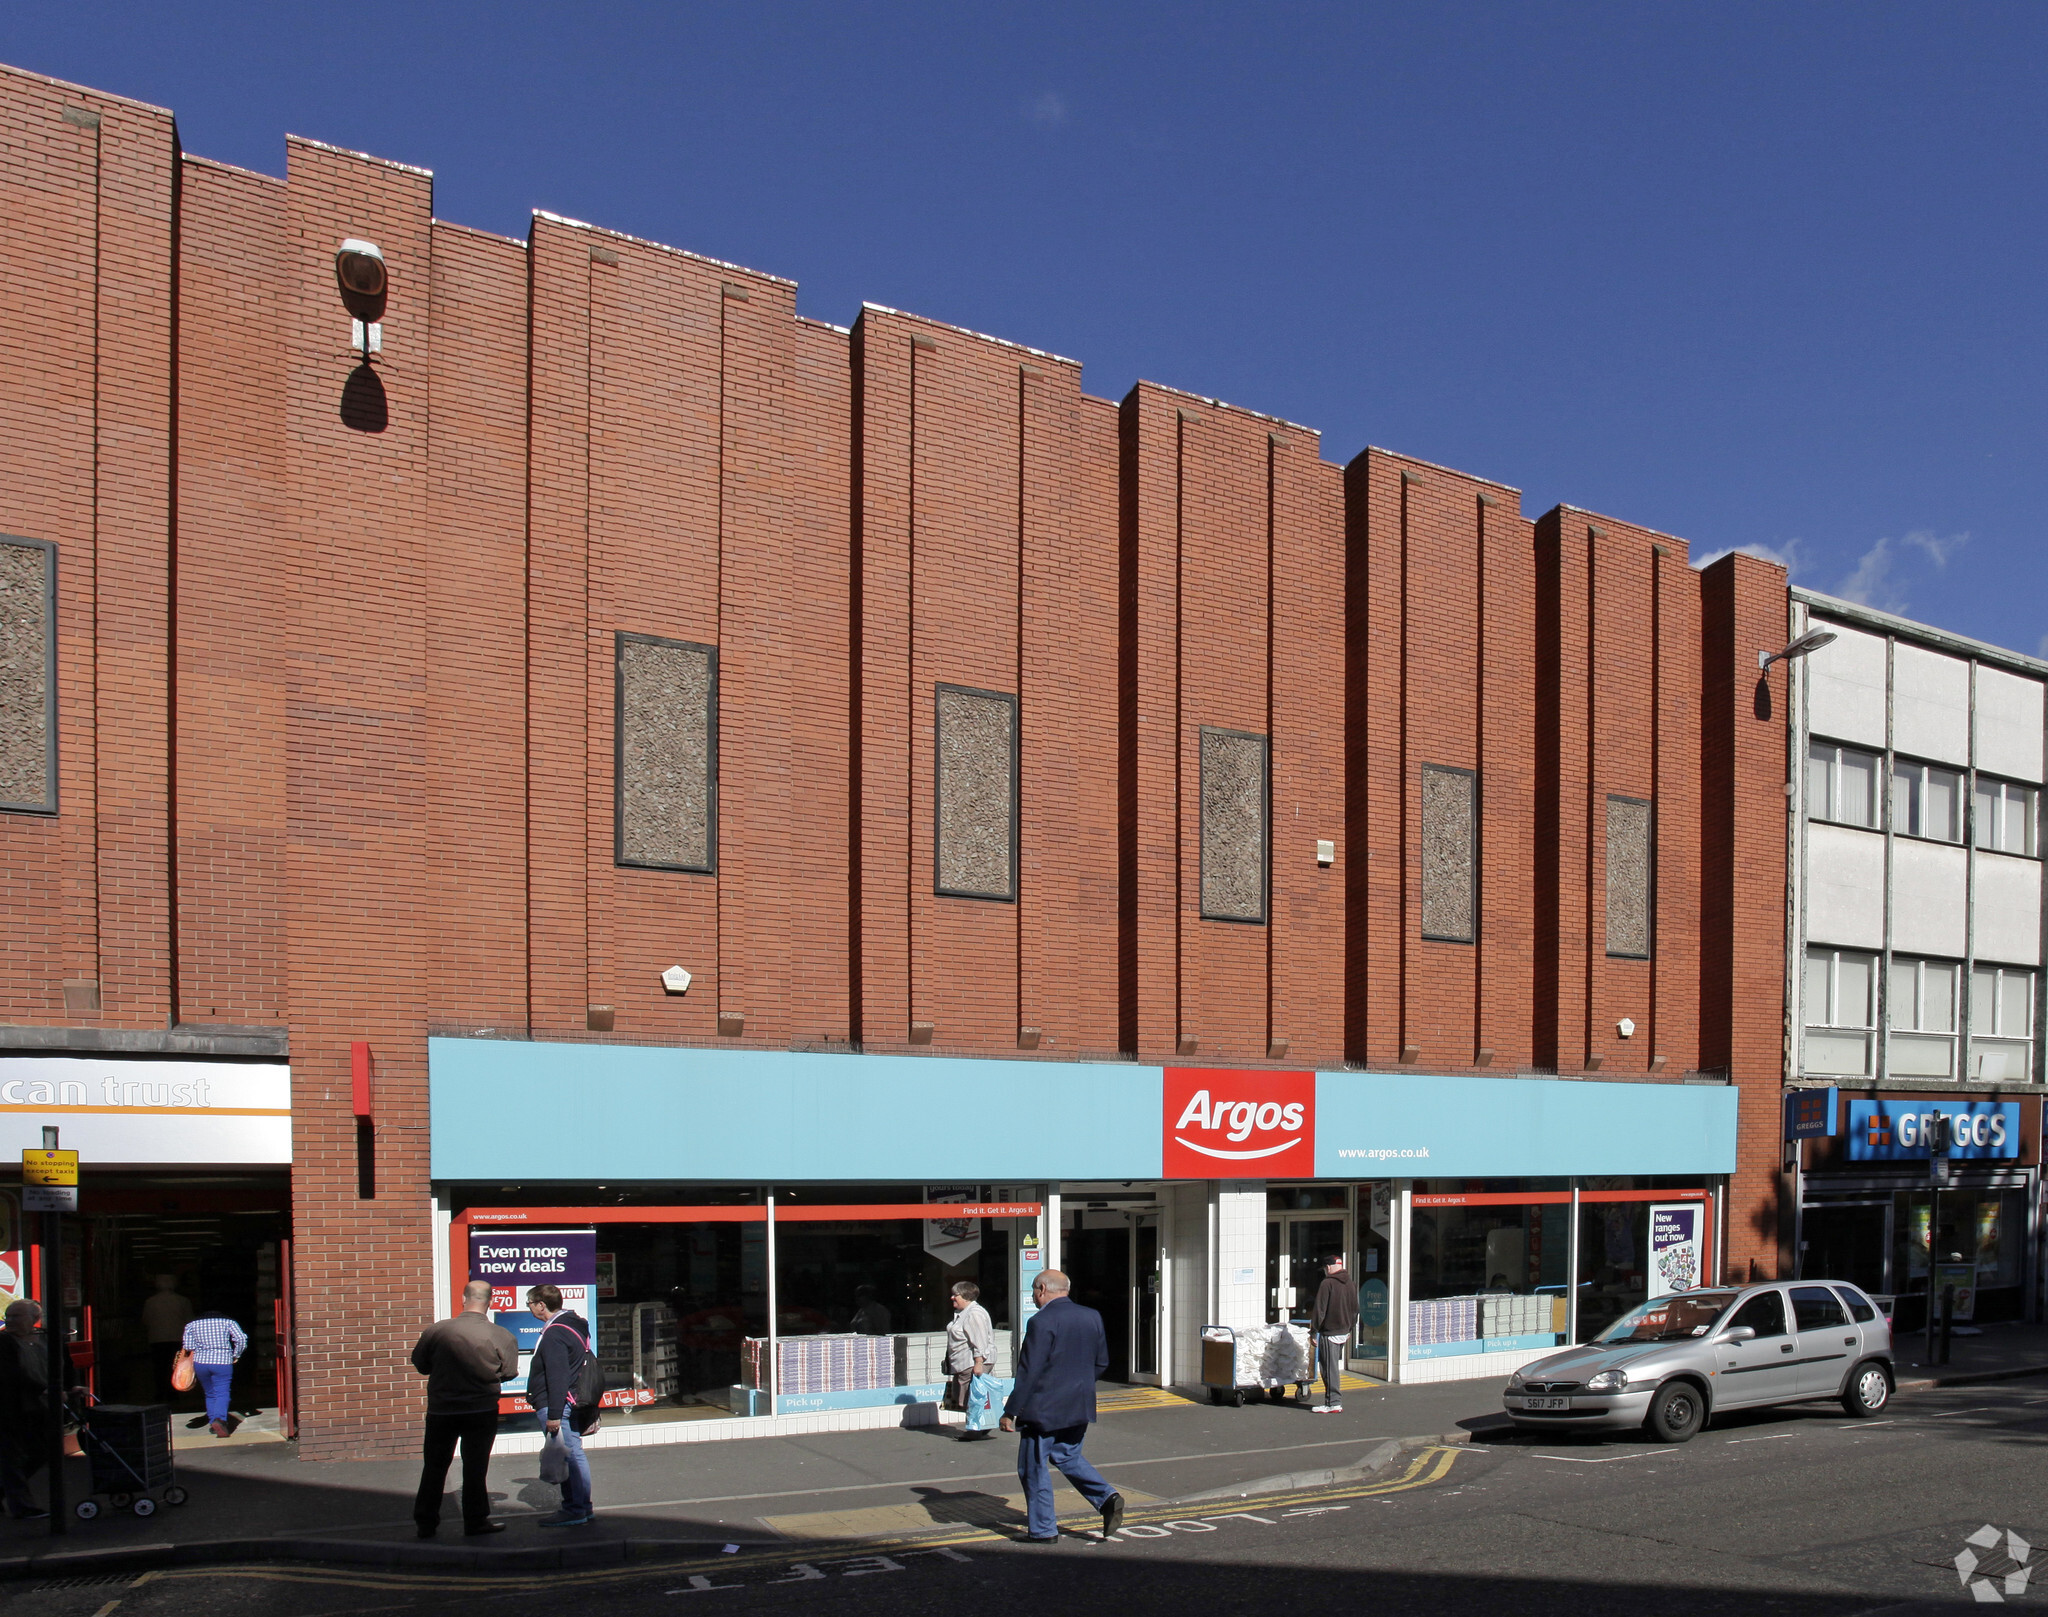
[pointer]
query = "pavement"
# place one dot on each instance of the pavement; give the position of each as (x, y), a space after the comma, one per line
(1997, 1352)
(257, 1501)
(1798, 1512)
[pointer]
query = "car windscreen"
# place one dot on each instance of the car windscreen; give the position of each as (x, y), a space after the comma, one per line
(1670, 1319)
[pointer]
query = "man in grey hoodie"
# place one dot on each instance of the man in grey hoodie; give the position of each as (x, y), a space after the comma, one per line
(464, 1359)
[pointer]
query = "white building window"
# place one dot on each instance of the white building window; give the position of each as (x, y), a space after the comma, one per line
(1921, 1013)
(1927, 801)
(2002, 1024)
(1841, 1012)
(1841, 784)
(2004, 817)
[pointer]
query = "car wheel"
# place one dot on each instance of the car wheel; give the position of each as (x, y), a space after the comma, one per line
(1676, 1413)
(1870, 1389)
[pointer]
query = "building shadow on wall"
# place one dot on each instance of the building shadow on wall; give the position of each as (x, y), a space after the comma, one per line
(363, 406)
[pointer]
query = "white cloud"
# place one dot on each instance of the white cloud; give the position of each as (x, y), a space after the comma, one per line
(1938, 547)
(1049, 111)
(1875, 581)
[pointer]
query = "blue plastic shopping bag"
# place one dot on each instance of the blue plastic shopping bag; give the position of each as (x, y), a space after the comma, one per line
(986, 1396)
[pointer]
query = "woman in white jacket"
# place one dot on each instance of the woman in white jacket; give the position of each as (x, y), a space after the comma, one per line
(970, 1344)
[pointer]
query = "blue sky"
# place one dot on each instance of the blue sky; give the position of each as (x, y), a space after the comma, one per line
(1768, 276)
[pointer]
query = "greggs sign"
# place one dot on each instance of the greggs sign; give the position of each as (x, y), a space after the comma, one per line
(1221, 1124)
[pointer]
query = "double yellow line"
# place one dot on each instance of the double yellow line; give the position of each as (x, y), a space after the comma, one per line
(1430, 1465)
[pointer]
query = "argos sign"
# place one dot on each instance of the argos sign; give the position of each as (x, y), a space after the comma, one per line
(1221, 1124)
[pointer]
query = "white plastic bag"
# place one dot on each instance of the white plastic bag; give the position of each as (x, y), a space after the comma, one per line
(554, 1460)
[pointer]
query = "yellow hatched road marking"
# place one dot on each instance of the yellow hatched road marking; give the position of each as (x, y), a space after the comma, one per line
(1429, 1466)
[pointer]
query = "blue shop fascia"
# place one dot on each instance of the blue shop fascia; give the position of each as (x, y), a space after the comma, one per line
(759, 1230)
(1875, 1209)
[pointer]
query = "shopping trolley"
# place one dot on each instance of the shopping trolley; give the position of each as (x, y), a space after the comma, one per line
(129, 1448)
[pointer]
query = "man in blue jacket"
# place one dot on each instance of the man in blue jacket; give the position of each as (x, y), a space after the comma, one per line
(1053, 1403)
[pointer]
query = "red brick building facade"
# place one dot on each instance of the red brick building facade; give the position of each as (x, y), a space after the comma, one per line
(337, 674)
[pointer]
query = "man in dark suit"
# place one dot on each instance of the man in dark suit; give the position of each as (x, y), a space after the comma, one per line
(1053, 1403)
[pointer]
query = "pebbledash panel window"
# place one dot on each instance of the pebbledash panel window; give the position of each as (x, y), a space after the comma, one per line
(28, 675)
(974, 841)
(1631, 878)
(1450, 854)
(1235, 825)
(666, 754)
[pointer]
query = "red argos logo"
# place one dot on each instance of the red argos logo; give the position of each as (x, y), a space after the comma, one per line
(1239, 1125)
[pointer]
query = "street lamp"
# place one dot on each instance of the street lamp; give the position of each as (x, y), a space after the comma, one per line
(1812, 640)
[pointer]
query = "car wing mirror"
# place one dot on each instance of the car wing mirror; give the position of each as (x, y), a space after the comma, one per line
(1739, 1333)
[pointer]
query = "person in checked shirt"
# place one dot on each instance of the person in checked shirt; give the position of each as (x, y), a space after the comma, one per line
(215, 1343)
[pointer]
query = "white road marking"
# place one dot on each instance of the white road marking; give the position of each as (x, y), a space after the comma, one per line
(1590, 1459)
(1945, 1413)
(1774, 1437)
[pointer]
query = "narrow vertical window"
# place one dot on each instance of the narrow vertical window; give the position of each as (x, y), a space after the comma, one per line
(666, 724)
(28, 675)
(2002, 1024)
(1841, 1012)
(1450, 854)
(974, 847)
(2004, 813)
(1234, 825)
(1630, 878)
(1841, 784)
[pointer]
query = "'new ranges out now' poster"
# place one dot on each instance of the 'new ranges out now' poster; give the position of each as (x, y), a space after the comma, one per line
(513, 1260)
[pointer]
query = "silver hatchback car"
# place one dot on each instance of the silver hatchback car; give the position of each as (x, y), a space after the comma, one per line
(1673, 1363)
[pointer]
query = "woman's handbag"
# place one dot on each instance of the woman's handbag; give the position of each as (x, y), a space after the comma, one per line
(183, 1371)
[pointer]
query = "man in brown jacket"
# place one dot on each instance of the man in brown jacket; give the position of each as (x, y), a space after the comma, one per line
(1334, 1319)
(464, 1359)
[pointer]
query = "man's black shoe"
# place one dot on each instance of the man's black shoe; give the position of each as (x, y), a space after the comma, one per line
(1112, 1514)
(483, 1527)
(1053, 1540)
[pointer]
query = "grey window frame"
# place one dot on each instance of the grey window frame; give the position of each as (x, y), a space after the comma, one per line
(1880, 784)
(939, 889)
(1203, 732)
(1472, 937)
(1922, 767)
(50, 804)
(1871, 1031)
(1649, 952)
(2004, 785)
(620, 640)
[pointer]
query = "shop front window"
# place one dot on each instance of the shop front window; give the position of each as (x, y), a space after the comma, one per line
(1487, 1272)
(1633, 1248)
(863, 1289)
(1979, 1246)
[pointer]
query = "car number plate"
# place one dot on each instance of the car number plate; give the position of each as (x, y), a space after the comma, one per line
(1546, 1403)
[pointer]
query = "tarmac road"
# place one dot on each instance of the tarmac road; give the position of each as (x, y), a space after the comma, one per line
(1800, 1512)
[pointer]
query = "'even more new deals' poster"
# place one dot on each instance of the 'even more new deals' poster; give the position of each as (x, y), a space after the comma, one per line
(512, 1260)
